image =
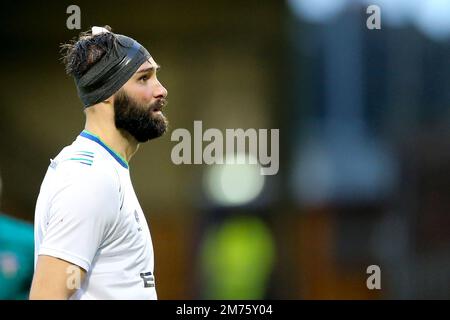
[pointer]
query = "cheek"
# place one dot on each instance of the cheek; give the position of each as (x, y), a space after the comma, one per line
(146, 92)
(142, 94)
(147, 95)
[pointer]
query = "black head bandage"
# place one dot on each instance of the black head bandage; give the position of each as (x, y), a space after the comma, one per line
(112, 71)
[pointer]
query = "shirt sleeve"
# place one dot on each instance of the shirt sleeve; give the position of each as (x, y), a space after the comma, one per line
(83, 209)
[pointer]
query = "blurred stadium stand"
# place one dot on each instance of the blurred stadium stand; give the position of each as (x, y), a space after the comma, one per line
(364, 135)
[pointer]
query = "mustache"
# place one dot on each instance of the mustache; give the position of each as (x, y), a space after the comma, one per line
(160, 103)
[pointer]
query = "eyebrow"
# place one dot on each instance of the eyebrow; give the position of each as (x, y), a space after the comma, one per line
(149, 69)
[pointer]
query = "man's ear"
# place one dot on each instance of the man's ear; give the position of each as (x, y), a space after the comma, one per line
(110, 100)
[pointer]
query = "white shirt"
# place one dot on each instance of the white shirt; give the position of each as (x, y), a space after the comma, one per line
(87, 213)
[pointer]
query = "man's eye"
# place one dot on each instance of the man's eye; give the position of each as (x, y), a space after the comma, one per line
(143, 78)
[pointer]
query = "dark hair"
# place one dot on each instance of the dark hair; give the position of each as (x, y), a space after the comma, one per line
(81, 53)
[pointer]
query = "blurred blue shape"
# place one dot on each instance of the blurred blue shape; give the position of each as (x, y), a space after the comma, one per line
(317, 10)
(432, 17)
(16, 258)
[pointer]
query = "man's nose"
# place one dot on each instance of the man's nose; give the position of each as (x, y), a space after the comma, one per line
(160, 91)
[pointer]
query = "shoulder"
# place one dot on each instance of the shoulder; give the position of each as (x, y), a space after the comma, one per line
(89, 193)
(84, 164)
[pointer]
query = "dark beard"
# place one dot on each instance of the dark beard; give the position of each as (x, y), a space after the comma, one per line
(138, 119)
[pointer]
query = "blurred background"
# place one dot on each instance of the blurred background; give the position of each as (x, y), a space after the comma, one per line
(364, 120)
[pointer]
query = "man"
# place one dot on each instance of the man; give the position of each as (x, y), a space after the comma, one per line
(91, 236)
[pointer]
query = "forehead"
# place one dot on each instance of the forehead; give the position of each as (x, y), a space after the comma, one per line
(150, 63)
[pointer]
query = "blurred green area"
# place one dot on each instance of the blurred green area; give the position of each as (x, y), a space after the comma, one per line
(237, 256)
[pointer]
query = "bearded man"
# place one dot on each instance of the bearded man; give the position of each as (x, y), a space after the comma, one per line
(92, 240)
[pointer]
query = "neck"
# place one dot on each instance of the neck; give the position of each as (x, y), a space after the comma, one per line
(120, 141)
